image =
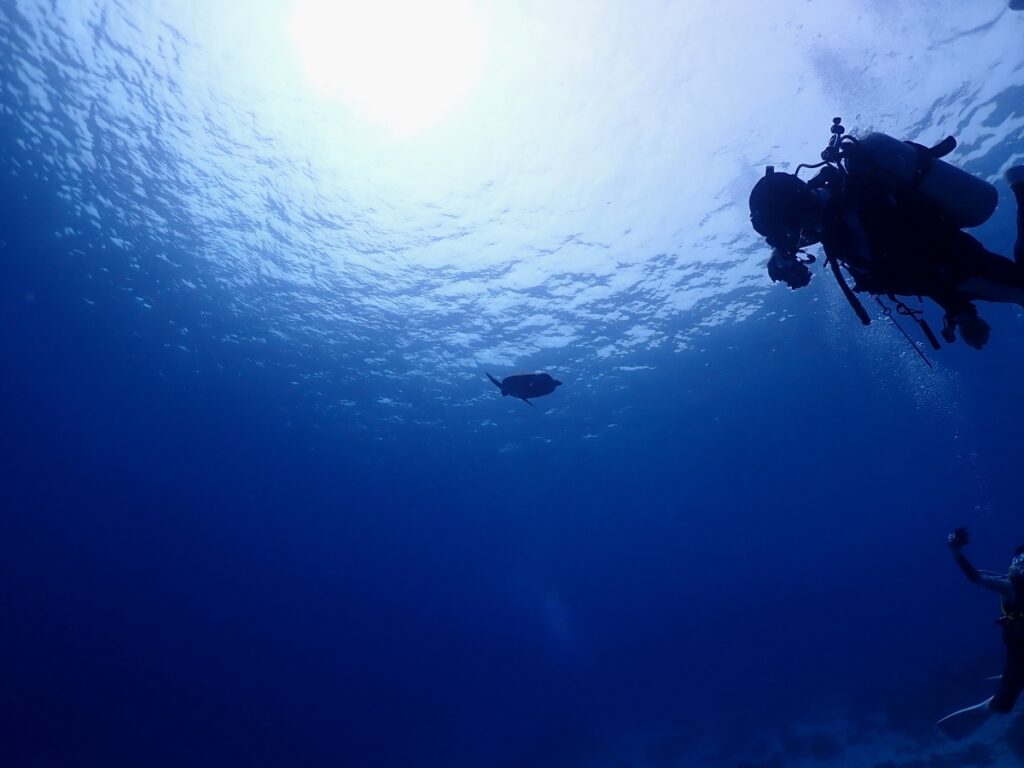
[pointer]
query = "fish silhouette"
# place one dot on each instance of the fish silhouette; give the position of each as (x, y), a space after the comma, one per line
(526, 385)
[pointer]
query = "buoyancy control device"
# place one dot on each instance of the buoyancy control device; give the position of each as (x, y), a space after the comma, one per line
(902, 166)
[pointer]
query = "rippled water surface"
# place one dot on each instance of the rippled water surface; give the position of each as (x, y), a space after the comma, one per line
(582, 206)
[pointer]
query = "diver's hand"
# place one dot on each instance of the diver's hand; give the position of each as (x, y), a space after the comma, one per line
(973, 330)
(786, 267)
(957, 540)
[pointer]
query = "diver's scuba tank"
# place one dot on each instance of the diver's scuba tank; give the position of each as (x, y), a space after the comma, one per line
(962, 199)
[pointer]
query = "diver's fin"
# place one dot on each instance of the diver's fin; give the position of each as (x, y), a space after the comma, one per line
(496, 382)
(527, 402)
(964, 722)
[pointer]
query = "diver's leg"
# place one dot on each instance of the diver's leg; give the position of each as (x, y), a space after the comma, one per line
(1015, 178)
(985, 288)
(1012, 682)
(985, 276)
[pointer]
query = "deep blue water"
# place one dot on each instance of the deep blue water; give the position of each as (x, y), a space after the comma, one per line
(288, 521)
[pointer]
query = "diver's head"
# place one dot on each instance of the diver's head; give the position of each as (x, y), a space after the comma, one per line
(781, 205)
(1016, 571)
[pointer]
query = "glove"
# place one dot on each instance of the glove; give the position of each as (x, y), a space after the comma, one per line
(973, 330)
(958, 539)
(787, 268)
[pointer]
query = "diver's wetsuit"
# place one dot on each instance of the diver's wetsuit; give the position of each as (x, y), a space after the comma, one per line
(1018, 248)
(1011, 593)
(1012, 684)
(904, 248)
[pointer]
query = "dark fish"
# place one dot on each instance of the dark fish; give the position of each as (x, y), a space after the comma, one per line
(526, 385)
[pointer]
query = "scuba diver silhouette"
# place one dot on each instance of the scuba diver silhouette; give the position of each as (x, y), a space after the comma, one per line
(1010, 588)
(891, 213)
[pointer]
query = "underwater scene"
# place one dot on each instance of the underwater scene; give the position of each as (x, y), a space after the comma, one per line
(512, 383)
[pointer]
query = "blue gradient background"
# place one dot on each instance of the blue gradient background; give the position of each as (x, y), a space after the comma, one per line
(261, 523)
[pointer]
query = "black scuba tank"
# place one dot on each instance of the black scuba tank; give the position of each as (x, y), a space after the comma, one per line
(962, 199)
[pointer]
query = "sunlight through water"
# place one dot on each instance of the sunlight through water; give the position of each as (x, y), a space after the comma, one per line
(402, 64)
(394, 196)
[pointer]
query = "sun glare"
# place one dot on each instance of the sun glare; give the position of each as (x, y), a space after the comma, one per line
(403, 64)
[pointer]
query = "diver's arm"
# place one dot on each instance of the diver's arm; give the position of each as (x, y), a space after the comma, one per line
(966, 568)
(997, 584)
(991, 583)
(846, 243)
